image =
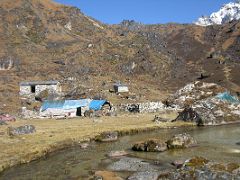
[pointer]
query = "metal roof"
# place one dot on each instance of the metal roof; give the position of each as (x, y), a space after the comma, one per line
(65, 104)
(31, 83)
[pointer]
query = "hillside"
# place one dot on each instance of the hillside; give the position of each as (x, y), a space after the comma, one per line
(43, 40)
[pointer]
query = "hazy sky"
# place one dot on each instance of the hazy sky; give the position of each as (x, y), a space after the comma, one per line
(146, 11)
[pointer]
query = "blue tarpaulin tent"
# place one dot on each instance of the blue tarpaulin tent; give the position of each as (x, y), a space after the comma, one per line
(65, 104)
(97, 104)
(226, 96)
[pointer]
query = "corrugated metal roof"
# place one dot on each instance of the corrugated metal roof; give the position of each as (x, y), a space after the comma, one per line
(65, 104)
(97, 104)
(32, 83)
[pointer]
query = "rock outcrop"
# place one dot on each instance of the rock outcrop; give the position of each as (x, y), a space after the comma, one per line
(200, 168)
(192, 93)
(206, 104)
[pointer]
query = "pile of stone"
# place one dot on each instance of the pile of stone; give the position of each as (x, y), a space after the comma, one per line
(193, 92)
(206, 104)
(176, 142)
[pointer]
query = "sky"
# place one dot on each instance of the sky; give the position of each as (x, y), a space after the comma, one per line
(146, 11)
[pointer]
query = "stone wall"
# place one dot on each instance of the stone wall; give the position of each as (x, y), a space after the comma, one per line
(50, 88)
(147, 107)
(26, 90)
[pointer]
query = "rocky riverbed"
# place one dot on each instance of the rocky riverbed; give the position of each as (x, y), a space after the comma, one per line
(218, 145)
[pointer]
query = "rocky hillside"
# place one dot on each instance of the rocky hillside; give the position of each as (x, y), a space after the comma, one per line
(43, 40)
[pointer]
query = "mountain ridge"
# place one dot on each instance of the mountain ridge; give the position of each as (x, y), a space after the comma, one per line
(227, 13)
(88, 57)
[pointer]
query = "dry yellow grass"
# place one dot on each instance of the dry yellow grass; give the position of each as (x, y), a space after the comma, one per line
(53, 135)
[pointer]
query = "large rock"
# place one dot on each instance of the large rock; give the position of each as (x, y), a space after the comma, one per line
(150, 146)
(132, 165)
(189, 115)
(181, 141)
(107, 137)
(27, 129)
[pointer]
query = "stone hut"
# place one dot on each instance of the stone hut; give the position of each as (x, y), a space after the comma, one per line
(36, 87)
(119, 88)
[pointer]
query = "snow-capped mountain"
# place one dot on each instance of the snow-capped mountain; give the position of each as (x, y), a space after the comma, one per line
(227, 13)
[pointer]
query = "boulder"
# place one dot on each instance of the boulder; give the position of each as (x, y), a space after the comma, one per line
(27, 129)
(107, 137)
(181, 141)
(150, 146)
(147, 175)
(132, 165)
(117, 153)
(189, 115)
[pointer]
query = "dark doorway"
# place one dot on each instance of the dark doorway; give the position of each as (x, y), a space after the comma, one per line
(79, 112)
(33, 89)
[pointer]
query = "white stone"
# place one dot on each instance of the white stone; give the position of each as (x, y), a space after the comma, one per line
(68, 26)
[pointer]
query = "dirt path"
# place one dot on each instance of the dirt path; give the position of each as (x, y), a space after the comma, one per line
(53, 135)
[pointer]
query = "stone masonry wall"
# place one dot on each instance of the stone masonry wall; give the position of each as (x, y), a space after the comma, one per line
(147, 107)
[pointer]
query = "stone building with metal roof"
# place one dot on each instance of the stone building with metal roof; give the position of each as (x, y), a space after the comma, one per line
(36, 87)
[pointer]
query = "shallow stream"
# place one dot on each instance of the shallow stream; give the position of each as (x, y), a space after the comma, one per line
(215, 143)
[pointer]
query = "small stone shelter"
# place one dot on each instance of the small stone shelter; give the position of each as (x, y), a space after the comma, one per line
(36, 87)
(119, 88)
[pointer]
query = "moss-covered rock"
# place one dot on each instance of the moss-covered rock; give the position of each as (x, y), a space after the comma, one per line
(150, 146)
(181, 141)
